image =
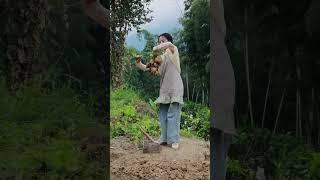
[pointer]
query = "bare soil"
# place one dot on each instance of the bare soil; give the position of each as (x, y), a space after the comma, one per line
(189, 162)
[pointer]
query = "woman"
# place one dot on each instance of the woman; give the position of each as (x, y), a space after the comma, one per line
(171, 91)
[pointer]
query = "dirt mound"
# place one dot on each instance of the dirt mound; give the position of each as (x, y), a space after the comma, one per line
(157, 169)
(188, 162)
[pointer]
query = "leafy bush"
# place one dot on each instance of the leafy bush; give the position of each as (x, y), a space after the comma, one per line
(281, 155)
(314, 166)
(195, 118)
(129, 113)
(237, 171)
(42, 136)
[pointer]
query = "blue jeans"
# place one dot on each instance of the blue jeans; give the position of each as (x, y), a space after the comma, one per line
(170, 116)
(219, 146)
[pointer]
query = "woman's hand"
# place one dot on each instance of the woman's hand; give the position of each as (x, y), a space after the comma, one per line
(138, 59)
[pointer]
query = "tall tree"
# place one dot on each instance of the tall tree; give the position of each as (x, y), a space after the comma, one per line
(281, 41)
(125, 15)
(22, 38)
(194, 45)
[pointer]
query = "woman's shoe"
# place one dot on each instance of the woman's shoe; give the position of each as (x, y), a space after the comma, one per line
(175, 145)
(161, 143)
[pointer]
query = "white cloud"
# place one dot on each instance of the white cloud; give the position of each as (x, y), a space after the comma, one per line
(165, 12)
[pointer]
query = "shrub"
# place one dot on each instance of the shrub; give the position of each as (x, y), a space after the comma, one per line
(41, 138)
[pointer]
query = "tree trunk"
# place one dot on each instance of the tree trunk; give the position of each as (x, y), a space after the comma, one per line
(117, 54)
(24, 31)
(247, 67)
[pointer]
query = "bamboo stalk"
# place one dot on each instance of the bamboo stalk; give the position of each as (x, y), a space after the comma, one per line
(297, 113)
(202, 93)
(193, 92)
(309, 128)
(300, 124)
(266, 97)
(187, 79)
(299, 102)
(197, 96)
(247, 68)
(279, 110)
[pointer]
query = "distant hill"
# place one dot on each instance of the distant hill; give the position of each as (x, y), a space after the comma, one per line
(164, 20)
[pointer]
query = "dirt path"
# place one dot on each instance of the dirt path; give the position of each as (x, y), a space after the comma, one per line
(189, 162)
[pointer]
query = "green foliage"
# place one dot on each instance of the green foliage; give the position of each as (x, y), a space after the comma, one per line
(59, 155)
(129, 113)
(130, 14)
(193, 44)
(71, 53)
(136, 78)
(195, 118)
(126, 15)
(281, 155)
(122, 98)
(153, 105)
(41, 136)
(151, 41)
(133, 77)
(314, 167)
(187, 133)
(44, 124)
(237, 171)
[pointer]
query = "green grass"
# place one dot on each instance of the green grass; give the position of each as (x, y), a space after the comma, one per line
(42, 135)
(129, 113)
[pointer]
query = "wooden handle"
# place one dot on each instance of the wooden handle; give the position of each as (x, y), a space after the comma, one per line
(148, 136)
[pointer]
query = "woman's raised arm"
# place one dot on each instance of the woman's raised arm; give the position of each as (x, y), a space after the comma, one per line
(163, 46)
(140, 65)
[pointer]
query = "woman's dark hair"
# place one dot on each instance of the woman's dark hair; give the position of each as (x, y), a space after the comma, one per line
(167, 36)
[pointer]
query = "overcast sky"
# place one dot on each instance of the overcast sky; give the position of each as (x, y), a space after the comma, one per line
(166, 14)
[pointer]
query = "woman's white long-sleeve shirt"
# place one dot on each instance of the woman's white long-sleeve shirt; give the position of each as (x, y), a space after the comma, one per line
(171, 85)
